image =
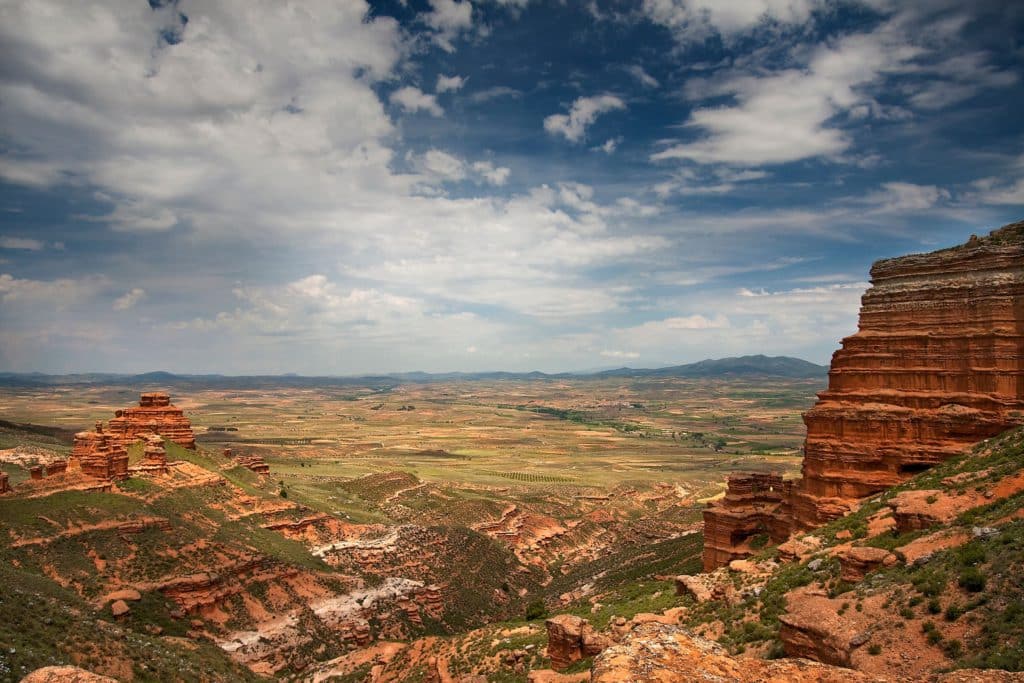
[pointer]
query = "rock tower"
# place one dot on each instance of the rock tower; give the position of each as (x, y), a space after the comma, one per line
(155, 414)
(936, 365)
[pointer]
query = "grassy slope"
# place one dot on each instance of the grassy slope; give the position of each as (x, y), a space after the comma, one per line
(980, 581)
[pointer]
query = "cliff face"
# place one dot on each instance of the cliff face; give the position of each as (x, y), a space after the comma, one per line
(937, 365)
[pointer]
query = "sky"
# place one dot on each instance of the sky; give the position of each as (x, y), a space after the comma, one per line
(346, 187)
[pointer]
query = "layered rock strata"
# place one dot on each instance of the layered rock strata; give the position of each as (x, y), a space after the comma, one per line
(100, 455)
(155, 414)
(754, 505)
(936, 365)
(253, 462)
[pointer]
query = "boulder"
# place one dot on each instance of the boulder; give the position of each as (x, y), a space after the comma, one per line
(570, 639)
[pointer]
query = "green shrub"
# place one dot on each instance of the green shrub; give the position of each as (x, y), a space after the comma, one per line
(971, 579)
(536, 610)
(954, 649)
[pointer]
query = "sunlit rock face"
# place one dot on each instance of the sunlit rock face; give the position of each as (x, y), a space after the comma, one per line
(155, 414)
(937, 365)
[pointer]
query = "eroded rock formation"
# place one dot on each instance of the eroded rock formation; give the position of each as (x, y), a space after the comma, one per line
(253, 462)
(155, 414)
(570, 639)
(100, 455)
(754, 505)
(936, 365)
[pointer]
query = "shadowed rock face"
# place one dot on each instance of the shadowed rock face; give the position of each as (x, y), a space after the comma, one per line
(753, 505)
(937, 365)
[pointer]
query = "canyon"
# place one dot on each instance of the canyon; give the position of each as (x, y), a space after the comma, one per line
(550, 531)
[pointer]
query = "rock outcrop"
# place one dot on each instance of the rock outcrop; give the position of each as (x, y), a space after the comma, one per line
(570, 639)
(155, 414)
(254, 462)
(936, 365)
(65, 674)
(100, 455)
(5, 483)
(753, 505)
(857, 562)
(660, 652)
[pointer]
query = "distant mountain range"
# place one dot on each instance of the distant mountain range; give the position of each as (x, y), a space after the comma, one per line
(743, 366)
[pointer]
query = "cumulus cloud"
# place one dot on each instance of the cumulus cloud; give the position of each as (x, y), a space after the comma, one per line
(439, 166)
(413, 99)
(449, 83)
(442, 166)
(449, 18)
(583, 112)
(495, 175)
(129, 299)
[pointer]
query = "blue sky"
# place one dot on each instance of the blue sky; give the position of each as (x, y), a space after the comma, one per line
(343, 187)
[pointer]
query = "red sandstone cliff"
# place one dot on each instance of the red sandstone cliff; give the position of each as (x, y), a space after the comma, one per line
(936, 365)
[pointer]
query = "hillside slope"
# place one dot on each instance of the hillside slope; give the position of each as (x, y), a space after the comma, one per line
(924, 578)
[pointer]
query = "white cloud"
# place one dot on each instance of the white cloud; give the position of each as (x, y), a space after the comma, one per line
(1000, 191)
(620, 354)
(58, 294)
(642, 77)
(696, 19)
(897, 197)
(1007, 188)
(185, 134)
(129, 299)
(449, 18)
(21, 243)
(495, 175)
(449, 83)
(494, 93)
(442, 166)
(439, 167)
(959, 78)
(583, 113)
(413, 99)
(609, 146)
(789, 115)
